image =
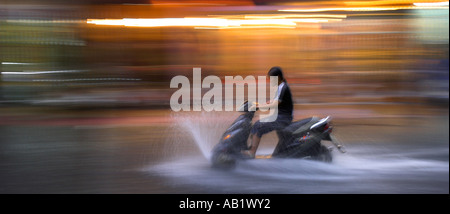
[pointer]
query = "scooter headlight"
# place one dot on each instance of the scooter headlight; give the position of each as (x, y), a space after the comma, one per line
(231, 134)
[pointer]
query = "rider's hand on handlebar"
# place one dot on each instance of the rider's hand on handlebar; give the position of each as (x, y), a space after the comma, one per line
(253, 107)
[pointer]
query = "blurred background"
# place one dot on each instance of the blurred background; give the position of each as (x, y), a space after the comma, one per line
(84, 85)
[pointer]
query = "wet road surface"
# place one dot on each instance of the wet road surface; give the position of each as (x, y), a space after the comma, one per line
(391, 149)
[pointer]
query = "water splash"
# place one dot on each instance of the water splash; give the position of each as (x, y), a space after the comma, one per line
(204, 129)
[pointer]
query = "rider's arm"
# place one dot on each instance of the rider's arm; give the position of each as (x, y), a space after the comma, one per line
(272, 104)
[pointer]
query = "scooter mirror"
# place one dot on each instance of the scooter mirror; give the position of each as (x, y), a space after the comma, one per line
(244, 107)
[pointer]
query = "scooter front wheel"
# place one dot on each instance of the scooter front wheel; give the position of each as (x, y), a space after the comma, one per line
(223, 161)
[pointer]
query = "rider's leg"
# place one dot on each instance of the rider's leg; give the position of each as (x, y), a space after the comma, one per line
(255, 143)
(258, 129)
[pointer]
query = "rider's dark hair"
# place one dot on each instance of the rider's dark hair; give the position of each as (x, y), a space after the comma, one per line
(276, 71)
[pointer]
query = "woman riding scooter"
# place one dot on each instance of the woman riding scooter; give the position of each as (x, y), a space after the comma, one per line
(282, 100)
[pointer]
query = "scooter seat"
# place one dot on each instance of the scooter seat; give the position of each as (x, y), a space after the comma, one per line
(300, 126)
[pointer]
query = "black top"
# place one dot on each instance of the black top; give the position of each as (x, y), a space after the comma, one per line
(284, 96)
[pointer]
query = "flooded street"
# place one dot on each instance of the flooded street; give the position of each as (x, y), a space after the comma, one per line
(156, 151)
